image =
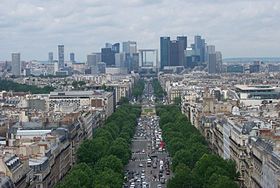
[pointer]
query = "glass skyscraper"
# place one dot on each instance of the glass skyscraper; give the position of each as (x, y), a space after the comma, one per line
(182, 46)
(164, 51)
(16, 64)
(60, 56)
(174, 53)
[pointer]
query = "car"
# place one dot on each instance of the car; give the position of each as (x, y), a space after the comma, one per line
(159, 186)
(143, 171)
(167, 172)
(140, 165)
(162, 180)
(154, 165)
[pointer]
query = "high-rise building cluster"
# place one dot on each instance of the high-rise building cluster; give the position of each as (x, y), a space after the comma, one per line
(126, 57)
(176, 53)
(112, 58)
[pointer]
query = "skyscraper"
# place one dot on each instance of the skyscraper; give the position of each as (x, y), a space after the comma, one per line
(120, 59)
(130, 47)
(92, 62)
(50, 57)
(199, 47)
(212, 63)
(174, 53)
(210, 49)
(60, 56)
(108, 45)
(202, 51)
(183, 43)
(72, 57)
(16, 64)
(116, 47)
(135, 63)
(219, 59)
(108, 56)
(164, 51)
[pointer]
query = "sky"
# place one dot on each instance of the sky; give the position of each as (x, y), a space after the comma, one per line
(238, 28)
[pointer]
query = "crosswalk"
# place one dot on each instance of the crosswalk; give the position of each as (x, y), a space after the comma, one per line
(142, 160)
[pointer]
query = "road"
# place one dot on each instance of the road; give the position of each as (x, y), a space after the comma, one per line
(149, 164)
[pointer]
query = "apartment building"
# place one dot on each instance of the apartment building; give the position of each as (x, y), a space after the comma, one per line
(240, 122)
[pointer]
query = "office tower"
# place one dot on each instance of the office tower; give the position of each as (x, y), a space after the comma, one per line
(183, 43)
(72, 57)
(192, 59)
(92, 62)
(16, 64)
(120, 59)
(108, 45)
(199, 46)
(108, 56)
(116, 47)
(202, 51)
(60, 56)
(219, 65)
(174, 53)
(197, 42)
(164, 51)
(212, 63)
(210, 49)
(130, 47)
(135, 62)
(50, 57)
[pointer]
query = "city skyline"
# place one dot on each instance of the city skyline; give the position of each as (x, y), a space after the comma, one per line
(35, 28)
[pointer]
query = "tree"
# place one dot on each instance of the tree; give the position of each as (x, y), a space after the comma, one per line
(210, 164)
(108, 150)
(121, 150)
(90, 151)
(75, 84)
(189, 150)
(183, 178)
(80, 176)
(138, 88)
(109, 162)
(8, 85)
(123, 100)
(177, 101)
(108, 178)
(220, 181)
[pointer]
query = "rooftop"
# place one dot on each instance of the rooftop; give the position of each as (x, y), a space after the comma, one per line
(255, 87)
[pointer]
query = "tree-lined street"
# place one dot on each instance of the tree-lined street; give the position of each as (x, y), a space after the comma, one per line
(150, 163)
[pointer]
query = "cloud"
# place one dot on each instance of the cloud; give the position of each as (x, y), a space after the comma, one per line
(237, 28)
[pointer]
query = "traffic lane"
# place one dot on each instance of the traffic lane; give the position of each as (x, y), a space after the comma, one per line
(139, 146)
